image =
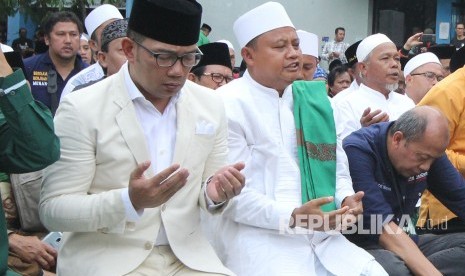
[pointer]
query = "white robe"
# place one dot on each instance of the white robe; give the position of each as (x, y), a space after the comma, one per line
(250, 236)
(91, 73)
(349, 110)
(344, 93)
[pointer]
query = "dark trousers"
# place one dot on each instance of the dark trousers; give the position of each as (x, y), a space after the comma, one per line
(446, 252)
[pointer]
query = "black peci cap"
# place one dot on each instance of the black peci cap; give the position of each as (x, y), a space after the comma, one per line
(175, 22)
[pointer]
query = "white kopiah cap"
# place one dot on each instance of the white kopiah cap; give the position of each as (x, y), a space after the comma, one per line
(259, 20)
(227, 42)
(84, 37)
(418, 61)
(308, 43)
(99, 15)
(6, 48)
(369, 43)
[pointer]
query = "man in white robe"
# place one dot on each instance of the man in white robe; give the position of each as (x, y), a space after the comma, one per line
(379, 65)
(254, 237)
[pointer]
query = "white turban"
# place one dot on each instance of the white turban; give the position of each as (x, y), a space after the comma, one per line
(369, 44)
(308, 43)
(418, 61)
(99, 15)
(259, 20)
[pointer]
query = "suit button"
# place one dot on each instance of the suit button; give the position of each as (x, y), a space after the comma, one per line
(163, 207)
(130, 225)
(148, 246)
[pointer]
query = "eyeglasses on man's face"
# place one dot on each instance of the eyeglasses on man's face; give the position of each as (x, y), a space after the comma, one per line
(169, 59)
(430, 75)
(218, 77)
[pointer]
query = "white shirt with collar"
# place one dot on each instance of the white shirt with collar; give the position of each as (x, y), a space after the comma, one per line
(350, 109)
(160, 134)
(344, 93)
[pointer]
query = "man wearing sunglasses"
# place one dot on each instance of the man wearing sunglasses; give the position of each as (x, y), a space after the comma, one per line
(214, 69)
(421, 73)
(141, 155)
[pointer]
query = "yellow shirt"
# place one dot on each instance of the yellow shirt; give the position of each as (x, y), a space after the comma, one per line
(448, 96)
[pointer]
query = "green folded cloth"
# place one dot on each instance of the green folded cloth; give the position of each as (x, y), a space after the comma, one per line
(316, 141)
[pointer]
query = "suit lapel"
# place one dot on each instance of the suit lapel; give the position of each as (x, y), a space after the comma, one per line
(129, 125)
(185, 128)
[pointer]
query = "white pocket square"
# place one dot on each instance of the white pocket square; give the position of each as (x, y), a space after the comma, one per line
(204, 128)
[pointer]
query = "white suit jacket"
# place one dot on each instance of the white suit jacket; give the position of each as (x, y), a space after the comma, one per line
(101, 143)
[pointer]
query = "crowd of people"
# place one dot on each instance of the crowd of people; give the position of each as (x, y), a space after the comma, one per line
(156, 155)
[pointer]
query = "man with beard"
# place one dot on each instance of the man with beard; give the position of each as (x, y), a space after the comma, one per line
(49, 72)
(379, 64)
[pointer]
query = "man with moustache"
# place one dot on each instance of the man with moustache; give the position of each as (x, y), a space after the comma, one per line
(255, 234)
(95, 23)
(379, 64)
(142, 151)
(49, 72)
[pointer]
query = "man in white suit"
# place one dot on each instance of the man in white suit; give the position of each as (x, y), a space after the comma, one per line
(140, 155)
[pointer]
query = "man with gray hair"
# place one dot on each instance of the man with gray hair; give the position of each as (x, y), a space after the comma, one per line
(379, 66)
(393, 163)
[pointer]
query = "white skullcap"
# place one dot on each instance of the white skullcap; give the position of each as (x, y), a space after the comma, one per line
(369, 43)
(418, 61)
(308, 43)
(99, 15)
(6, 48)
(84, 37)
(259, 20)
(227, 42)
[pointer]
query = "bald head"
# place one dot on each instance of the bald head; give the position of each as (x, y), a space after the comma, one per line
(422, 123)
(416, 139)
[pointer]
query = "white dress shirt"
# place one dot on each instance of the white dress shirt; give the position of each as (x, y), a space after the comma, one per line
(160, 134)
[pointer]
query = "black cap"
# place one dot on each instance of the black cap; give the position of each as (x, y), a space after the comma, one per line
(206, 26)
(174, 22)
(442, 51)
(112, 31)
(351, 54)
(214, 53)
(457, 60)
(333, 64)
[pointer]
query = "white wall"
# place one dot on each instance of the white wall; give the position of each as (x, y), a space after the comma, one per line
(318, 16)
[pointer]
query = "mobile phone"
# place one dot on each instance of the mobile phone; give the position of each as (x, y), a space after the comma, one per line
(425, 38)
(15, 60)
(53, 239)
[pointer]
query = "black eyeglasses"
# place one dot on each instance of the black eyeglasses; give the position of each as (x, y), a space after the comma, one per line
(168, 59)
(430, 75)
(218, 78)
